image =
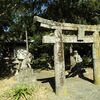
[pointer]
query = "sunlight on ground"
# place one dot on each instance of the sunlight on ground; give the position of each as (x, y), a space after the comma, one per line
(5, 84)
(42, 93)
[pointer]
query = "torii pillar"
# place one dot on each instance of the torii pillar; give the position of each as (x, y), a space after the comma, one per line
(96, 57)
(59, 62)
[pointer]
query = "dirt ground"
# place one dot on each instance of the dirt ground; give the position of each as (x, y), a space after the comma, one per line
(6, 84)
(78, 89)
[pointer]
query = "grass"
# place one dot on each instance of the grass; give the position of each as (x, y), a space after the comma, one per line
(25, 92)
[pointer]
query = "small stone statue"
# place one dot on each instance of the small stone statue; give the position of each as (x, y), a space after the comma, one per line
(23, 60)
(26, 62)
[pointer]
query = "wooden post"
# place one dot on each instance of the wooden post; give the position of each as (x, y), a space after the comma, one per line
(96, 57)
(59, 64)
(26, 40)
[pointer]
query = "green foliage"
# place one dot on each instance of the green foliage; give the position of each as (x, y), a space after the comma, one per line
(15, 14)
(25, 92)
(21, 91)
(88, 61)
(74, 11)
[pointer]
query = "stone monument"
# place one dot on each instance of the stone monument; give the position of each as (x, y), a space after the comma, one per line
(58, 39)
(24, 72)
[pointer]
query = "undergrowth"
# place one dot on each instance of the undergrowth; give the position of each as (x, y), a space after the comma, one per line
(25, 92)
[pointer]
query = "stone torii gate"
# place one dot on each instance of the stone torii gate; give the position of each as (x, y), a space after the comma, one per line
(58, 39)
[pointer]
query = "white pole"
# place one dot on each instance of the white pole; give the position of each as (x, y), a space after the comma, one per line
(26, 40)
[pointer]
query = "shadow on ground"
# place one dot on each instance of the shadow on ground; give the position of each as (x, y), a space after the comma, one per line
(84, 78)
(50, 80)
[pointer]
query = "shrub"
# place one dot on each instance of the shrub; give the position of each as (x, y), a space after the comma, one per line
(21, 91)
(26, 92)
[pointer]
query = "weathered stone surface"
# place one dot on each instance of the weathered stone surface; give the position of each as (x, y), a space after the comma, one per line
(64, 26)
(96, 57)
(59, 64)
(68, 39)
(23, 60)
(81, 33)
(58, 61)
(58, 39)
(26, 76)
(26, 61)
(21, 53)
